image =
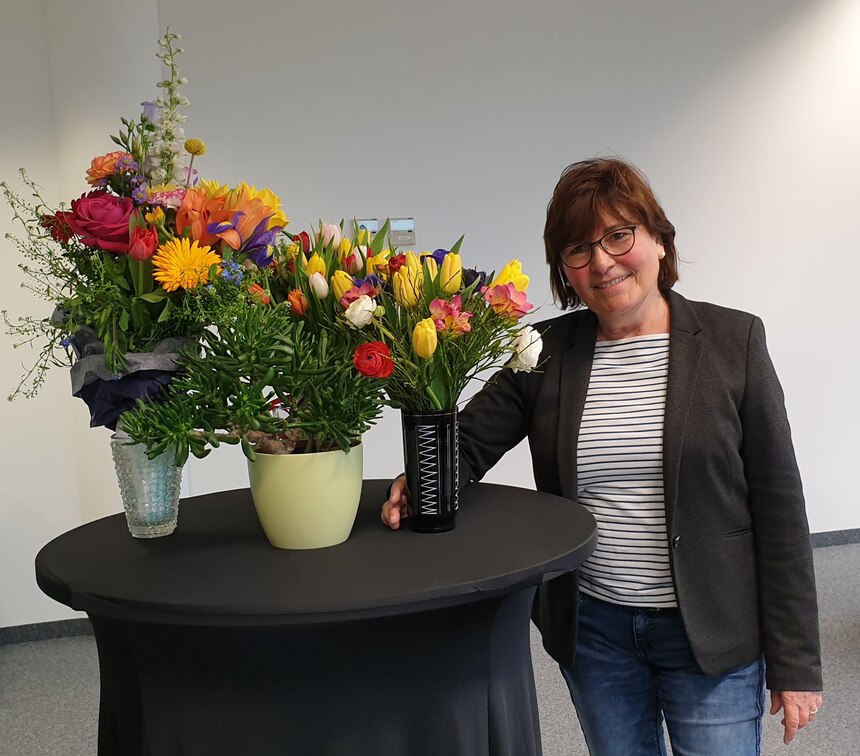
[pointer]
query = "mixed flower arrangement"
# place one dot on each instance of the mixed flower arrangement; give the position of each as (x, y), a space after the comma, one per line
(168, 286)
(150, 257)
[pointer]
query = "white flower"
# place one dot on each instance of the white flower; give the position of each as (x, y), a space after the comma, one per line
(318, 285)
(331, 234)
(526, 346)
(360, 312)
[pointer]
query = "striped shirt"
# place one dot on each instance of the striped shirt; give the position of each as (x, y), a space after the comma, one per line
(620, 472)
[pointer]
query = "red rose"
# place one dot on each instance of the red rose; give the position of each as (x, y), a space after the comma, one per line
(101, 220)
(144, 242)
(373, 360)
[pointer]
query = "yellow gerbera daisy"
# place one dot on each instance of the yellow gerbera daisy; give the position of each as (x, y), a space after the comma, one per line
(181, 263)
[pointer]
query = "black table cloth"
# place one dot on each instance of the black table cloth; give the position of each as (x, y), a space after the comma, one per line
(211, 641)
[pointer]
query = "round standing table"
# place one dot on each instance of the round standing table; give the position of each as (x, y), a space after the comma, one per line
(211, 641)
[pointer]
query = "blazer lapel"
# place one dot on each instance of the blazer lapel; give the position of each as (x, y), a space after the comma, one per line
(685, 356)
(574, 373)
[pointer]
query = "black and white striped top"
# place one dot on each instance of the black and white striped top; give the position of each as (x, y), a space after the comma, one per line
(620, 472)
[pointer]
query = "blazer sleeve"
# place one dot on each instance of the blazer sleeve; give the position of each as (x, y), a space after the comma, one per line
(789, 608)
(493, 422)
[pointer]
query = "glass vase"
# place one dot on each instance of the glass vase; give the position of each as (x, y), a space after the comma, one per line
(431, 447)
(150, 488)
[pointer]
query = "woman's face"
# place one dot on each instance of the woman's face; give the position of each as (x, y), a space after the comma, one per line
(624, 288)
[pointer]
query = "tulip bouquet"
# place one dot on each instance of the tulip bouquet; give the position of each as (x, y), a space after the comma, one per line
(148, 258)
(420, 321)
(445, 324)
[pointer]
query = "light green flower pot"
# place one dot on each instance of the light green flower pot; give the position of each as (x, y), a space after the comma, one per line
(307, 501)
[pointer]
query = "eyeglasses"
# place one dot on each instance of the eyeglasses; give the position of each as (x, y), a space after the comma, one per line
(617, 242)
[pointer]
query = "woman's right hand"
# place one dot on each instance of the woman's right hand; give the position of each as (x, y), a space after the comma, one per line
(397, 506)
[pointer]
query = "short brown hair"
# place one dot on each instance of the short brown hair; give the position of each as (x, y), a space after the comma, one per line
(585, 191)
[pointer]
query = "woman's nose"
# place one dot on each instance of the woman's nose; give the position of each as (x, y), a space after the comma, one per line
(601, 260)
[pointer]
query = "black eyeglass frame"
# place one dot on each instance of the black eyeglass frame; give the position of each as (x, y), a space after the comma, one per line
(599, 243)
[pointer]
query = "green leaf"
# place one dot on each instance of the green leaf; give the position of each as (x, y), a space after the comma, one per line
(123, 321)
(456, 248)
(247, 449)
(155, 296)
(165, 313)
(380, 239)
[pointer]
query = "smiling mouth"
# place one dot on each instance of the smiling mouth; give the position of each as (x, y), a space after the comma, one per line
(613, 282)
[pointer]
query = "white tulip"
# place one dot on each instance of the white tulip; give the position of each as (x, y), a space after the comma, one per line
(331, 234)
(318, 284)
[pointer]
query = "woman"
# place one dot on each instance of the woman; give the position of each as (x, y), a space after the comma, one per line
(665, 418)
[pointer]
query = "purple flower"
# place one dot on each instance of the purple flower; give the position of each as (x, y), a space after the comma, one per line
(126, 164)
(439, 255)
(258, 245)
(470, 275)
(140, 194)
(372, 279)
(150, 111)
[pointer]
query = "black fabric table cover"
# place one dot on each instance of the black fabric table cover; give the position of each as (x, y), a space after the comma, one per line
(212, 641)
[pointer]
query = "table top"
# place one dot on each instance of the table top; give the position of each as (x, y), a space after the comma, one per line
(219, 569)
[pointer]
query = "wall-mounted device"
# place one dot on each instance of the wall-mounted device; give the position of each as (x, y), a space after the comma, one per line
(402, 232)
(368, 224)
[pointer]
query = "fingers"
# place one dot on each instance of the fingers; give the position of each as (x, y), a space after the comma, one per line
(799, 710)
(397, 505)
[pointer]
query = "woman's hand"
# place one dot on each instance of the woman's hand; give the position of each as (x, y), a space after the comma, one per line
(397, 506)
(799, 709)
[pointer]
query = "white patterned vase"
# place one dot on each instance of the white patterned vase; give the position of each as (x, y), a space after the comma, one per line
(431, 449)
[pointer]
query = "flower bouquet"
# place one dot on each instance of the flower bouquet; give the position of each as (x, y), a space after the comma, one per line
(428, 327)
(141, 264)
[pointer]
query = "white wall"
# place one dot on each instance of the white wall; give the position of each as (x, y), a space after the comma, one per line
(463, 114)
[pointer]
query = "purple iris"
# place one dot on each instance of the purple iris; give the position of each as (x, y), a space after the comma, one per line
(372, 279)
(470, 275)
(439, 255)
(258, 247)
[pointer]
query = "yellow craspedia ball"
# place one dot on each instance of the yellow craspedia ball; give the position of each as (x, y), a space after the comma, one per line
(195, 147)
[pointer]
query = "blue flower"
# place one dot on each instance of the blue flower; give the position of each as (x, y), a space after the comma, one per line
(232, 272)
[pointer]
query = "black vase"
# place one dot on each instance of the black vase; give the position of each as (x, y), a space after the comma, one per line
(431, 451)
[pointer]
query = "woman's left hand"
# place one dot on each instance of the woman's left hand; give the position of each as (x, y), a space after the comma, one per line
(799, 709)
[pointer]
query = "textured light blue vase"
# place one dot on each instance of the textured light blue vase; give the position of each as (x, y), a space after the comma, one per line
(150, 488)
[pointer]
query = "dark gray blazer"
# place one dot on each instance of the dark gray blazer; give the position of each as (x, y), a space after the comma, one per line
(738, 536)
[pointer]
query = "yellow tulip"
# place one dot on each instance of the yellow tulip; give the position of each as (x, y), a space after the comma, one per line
(432, 267)
(315, 265)
(376, 263)
(341, 282)
(424, 339)
(407, 286)
(412, 261)
(452, 273)
(345, 247)
(512, 273)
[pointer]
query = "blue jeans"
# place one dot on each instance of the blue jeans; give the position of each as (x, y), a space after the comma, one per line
(634, 666)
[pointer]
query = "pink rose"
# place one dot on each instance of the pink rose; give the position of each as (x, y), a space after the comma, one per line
(101, 220)
(144, 242)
